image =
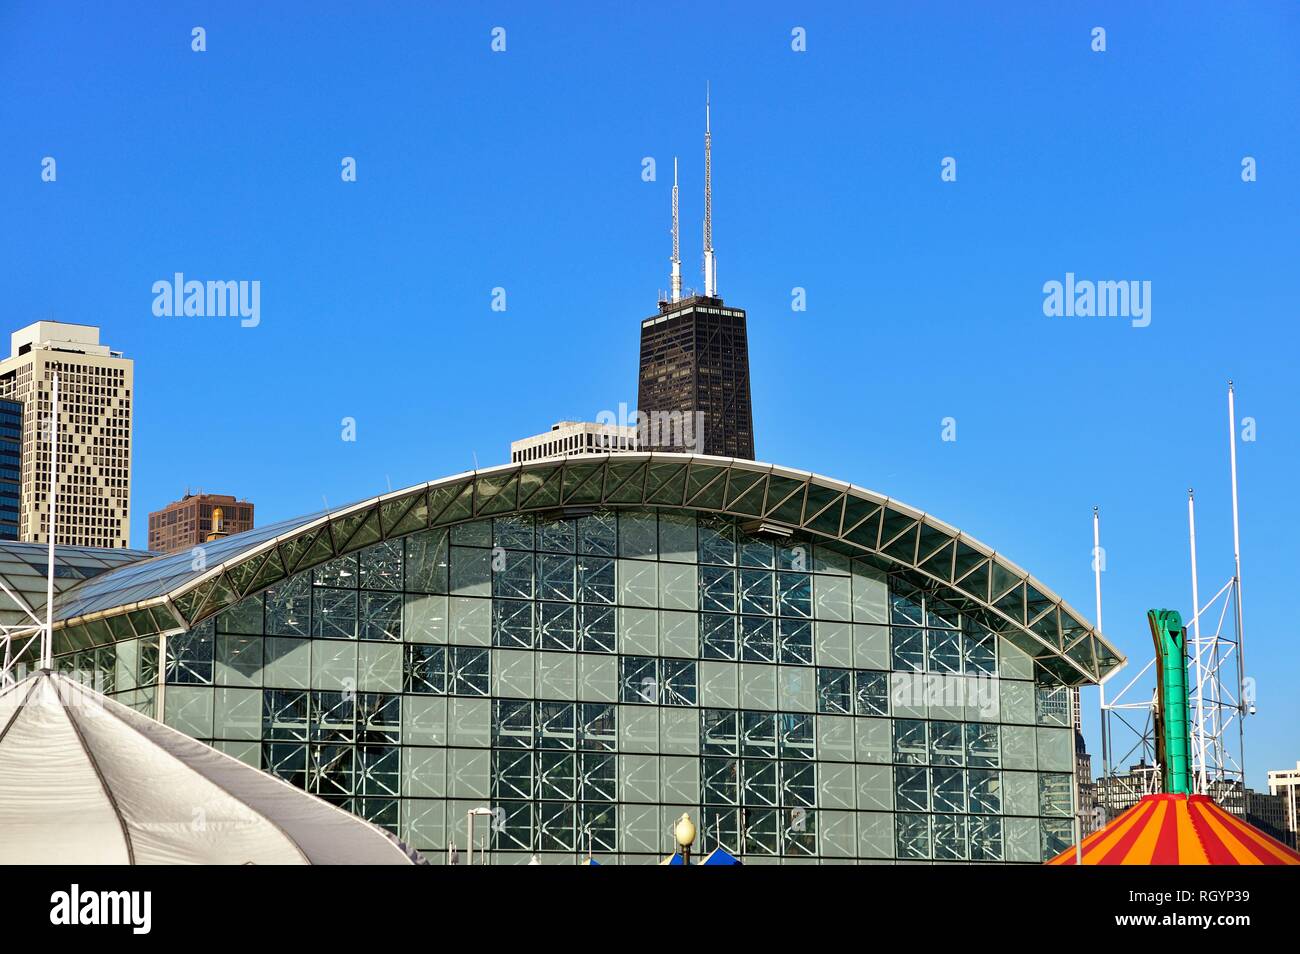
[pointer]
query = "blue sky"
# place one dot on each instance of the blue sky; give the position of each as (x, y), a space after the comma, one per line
(522, 170)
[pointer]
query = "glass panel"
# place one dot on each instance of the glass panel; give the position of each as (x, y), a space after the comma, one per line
(908, 649)
(985, 790)
(512, 624)
(949, 789)
(756, 592)
(512, 723)
(556, 626)
(945, 650)
(835, 691)
(946, 743)
(912, 788)
(983, 745)
(680, 686)
(796, 640)
(598, 534)
(912, 835)
(798, 735)
(555, 577)
(949, 838)
(717, 542)
(721, 781)
(426, 668)
(719, 732)
(910, 741)
(794, 595)
(758, 642)
(381, 616)
(871, 692)
(381, 566)
(717, 589)
(599, 726)
(717, 636)
(758, 734)
(335, 613)
(639, 679)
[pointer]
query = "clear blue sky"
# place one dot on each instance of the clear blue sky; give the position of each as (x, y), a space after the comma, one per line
(523, 170)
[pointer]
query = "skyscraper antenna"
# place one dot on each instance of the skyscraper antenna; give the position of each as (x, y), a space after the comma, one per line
(677, 261)
(710, 266)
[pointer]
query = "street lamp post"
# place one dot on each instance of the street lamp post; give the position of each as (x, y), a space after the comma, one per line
(684, 832)
(470, 817)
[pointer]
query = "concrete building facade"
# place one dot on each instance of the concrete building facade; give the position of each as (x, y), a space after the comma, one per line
(95, 393)
(1286, 783)
(567, 438)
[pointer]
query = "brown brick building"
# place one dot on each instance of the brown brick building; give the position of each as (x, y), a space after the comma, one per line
(187, 522)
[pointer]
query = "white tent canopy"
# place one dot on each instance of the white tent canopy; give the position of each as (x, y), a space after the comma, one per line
(86, 780)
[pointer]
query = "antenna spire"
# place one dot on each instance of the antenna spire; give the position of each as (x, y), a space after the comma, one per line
(676, 259)
(710, 265)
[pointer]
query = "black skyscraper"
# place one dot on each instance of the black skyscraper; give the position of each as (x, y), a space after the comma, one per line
(695, 370)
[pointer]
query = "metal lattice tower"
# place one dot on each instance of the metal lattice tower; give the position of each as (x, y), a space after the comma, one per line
(1220, 698)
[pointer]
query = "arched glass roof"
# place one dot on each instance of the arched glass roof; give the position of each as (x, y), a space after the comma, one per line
(175, 591)
(24, 569)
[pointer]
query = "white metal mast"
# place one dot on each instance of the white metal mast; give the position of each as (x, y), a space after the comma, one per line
(677, 261)
(47, 637)
(1096, 573)
(710, 265)
(1198, 666)
(1236, 560)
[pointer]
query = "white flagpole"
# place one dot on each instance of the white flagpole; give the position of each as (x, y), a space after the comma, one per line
(1096, 573)
(1198, 733)
(1243, 707)
(47, 641)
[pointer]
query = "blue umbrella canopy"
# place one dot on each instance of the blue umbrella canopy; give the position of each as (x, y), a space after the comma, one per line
(720, 856)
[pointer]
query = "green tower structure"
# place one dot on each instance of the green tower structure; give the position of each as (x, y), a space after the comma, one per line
(1173, 739)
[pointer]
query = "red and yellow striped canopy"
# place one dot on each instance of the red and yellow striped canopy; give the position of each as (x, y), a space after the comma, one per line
(1179, 830)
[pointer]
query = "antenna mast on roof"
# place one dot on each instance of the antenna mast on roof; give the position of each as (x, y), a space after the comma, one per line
(676, 259)
(710, 265)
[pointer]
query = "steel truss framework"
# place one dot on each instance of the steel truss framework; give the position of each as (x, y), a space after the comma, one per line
(1218, 702)
(1219, 697)
(169, 594)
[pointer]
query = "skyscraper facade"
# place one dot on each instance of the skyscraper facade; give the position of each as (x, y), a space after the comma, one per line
(695, 370)
(11, 464)
(95, 385)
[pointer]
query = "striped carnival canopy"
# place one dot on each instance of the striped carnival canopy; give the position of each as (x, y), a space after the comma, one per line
(1171, 829)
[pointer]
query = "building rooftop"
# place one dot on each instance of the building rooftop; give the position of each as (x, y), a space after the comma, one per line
(58, 336)
(148, 593)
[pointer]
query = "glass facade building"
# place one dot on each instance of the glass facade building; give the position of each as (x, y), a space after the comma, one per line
(591, 647)
(11, 467)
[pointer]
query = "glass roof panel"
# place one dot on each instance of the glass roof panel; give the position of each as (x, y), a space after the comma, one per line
(147, 578)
